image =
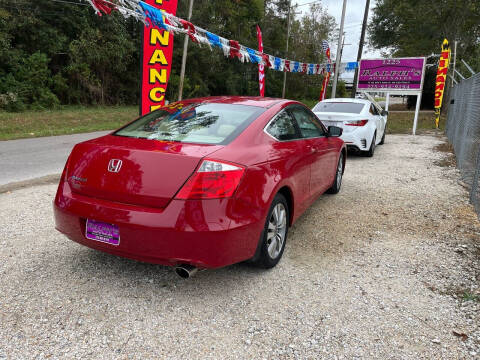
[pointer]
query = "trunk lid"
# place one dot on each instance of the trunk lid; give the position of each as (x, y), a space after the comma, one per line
(133, 171)
(339, 119)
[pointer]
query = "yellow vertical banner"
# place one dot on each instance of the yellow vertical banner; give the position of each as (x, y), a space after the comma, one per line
(441, 79)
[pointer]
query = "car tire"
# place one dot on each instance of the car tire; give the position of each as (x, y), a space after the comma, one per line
(383, 137)
(337, 183)
(371, 151)
(274, 236)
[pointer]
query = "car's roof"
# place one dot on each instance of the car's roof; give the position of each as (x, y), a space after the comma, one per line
(346, 100)
(259, 101)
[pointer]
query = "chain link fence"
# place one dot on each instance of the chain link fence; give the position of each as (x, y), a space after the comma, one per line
(463, 132)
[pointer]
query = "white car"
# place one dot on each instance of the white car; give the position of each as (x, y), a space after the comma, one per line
(363, 122)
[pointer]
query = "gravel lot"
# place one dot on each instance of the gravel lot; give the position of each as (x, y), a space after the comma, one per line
(387, 269)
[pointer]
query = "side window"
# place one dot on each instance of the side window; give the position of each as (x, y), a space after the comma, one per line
(373, 110)
(283, 127)
(307, 122)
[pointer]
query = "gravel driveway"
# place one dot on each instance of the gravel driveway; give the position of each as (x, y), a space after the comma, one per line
(387, 269)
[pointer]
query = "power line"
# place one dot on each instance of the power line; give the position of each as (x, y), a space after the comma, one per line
(312, 2)
(69, 2)
(352, 24)
(54, 13)
(38, 10)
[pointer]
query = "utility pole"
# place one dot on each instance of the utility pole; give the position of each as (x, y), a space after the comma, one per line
(184, 55)
(286, 51)
(360, 47)
(454, 62)
(339, 51)
(343, 45)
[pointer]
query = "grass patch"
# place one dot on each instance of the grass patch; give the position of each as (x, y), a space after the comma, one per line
(445, 147)
(467, 296)
(398, 107)
(77, 119)
(67, 120)
(449, 159)
(309, 103)
(402, 122)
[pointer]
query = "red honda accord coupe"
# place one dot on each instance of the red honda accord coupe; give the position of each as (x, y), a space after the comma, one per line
(201, 183)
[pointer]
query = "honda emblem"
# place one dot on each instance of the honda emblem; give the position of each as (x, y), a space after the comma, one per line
(114, 165)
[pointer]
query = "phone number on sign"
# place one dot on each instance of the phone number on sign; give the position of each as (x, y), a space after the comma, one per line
(391, 62)
(391, 86)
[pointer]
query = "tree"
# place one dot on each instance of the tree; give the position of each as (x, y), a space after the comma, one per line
(86, 59)
(306, 40)
(418, 27)
(97, 57)
(79, 53)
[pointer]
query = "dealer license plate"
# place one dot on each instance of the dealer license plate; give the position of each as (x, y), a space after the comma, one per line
(100, 231)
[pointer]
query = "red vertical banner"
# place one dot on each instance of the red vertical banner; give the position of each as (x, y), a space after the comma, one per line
(157, 60)
(441, 78)
(323, 91)
(326, 76)
(261, 67)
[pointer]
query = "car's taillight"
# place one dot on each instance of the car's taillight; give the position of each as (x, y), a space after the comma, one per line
(213, 180)
(63, 178)
(357, 123)
(65, 169)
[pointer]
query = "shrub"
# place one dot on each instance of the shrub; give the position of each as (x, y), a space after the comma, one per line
(28, 83)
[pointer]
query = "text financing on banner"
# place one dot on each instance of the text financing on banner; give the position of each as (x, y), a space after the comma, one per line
(261, 67)
(441, 78)
(157, 60)
(401, 74)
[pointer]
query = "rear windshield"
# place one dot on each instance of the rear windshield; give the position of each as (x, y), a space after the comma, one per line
(203, 123)
(341, 107)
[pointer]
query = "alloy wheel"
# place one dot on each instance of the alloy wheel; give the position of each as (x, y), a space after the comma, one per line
(277, 229)
(339, 171)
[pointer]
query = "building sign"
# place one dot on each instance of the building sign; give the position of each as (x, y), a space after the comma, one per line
(157, 60)
(398, 74)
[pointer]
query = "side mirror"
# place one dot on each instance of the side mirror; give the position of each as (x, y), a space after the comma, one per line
(335, 131)
(384, 113)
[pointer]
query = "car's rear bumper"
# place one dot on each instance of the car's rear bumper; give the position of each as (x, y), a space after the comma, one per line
(207, 233)
(360, 138)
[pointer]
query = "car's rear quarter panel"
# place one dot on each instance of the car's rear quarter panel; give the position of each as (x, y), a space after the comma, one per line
(271, 165)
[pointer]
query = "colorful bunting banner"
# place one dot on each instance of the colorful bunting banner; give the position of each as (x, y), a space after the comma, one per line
(349, 66)
(160, 22)
(150, 15)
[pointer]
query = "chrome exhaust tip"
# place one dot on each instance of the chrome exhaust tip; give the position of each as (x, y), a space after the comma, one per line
(186, 271)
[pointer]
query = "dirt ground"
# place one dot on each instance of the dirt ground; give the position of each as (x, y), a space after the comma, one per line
(387, 269)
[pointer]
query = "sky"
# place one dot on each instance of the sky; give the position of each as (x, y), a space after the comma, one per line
(352, 27)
